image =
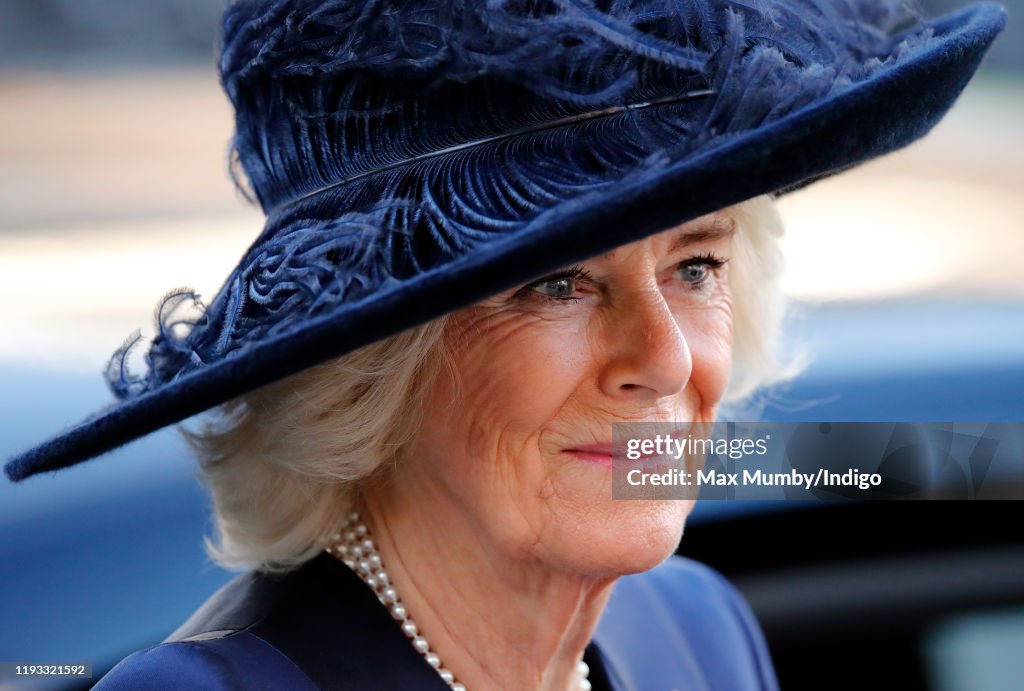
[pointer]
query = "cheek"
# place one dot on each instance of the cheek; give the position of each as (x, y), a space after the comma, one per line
(516, 376)
(709, 336)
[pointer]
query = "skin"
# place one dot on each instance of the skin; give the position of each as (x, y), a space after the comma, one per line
(502, 542)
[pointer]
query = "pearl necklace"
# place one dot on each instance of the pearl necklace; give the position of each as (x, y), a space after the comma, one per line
(355, 548)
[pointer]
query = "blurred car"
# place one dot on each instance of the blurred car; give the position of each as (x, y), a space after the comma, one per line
(901, 594)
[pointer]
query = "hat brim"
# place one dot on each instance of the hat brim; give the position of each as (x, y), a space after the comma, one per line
(896, 105)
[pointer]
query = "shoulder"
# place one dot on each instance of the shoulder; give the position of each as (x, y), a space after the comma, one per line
(689, 611)
(221, 646)
(689, 589)
(282, 631)
(235, 661)
(701, 596)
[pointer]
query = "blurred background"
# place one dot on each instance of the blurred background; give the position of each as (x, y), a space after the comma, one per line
(907, 277)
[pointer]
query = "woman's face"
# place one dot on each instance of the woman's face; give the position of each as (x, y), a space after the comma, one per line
(642, 333)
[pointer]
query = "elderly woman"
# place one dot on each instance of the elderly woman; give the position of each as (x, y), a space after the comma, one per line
(493, 230)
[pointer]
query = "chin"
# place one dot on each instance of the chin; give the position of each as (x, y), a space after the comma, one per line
(633, 537)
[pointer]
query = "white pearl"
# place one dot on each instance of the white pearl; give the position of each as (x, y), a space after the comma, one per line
(433, 660)
(372, 582)
(375, 560)
(368, 545)
(458, 687)
(398, 612)
(446, 675)
(350, 536)
(360, 530)
(583, 668)
(584, 685)
(363, 566)
(382, 576)
(357, 552)
(420, 643)
(390, 595)
(409, 628)
(353, 517)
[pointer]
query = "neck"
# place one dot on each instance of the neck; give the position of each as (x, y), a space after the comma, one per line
(495, 621)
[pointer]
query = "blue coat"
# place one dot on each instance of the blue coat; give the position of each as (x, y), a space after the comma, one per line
(679, 626)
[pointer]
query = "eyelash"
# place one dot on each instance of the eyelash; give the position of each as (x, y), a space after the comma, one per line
(578, 273)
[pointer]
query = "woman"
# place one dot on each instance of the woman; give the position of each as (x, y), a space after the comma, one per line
(494, 230)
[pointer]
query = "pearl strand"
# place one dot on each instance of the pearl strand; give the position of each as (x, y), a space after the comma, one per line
(354, 546)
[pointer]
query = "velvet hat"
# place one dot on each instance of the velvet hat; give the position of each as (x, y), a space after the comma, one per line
(415, 157)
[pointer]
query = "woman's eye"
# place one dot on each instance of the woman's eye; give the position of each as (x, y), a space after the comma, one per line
(699, 272)
(559, 288)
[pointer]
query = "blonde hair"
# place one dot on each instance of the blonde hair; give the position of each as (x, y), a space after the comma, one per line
(282, 462)
(759, 305)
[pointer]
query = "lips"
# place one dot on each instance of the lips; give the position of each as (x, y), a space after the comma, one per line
(600, 453)
(602, 448)
(603, 452)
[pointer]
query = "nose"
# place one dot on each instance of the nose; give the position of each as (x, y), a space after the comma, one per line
(647, 352)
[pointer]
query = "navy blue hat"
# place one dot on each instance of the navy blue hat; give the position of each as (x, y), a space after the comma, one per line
(415, 157)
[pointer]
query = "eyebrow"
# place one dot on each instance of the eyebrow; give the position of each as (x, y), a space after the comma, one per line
(710, 228)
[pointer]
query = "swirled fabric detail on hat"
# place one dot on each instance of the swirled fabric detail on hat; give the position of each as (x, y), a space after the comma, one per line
(349, 105)
(327, 90)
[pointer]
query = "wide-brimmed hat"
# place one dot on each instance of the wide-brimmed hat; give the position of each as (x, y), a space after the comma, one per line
(415, 157)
